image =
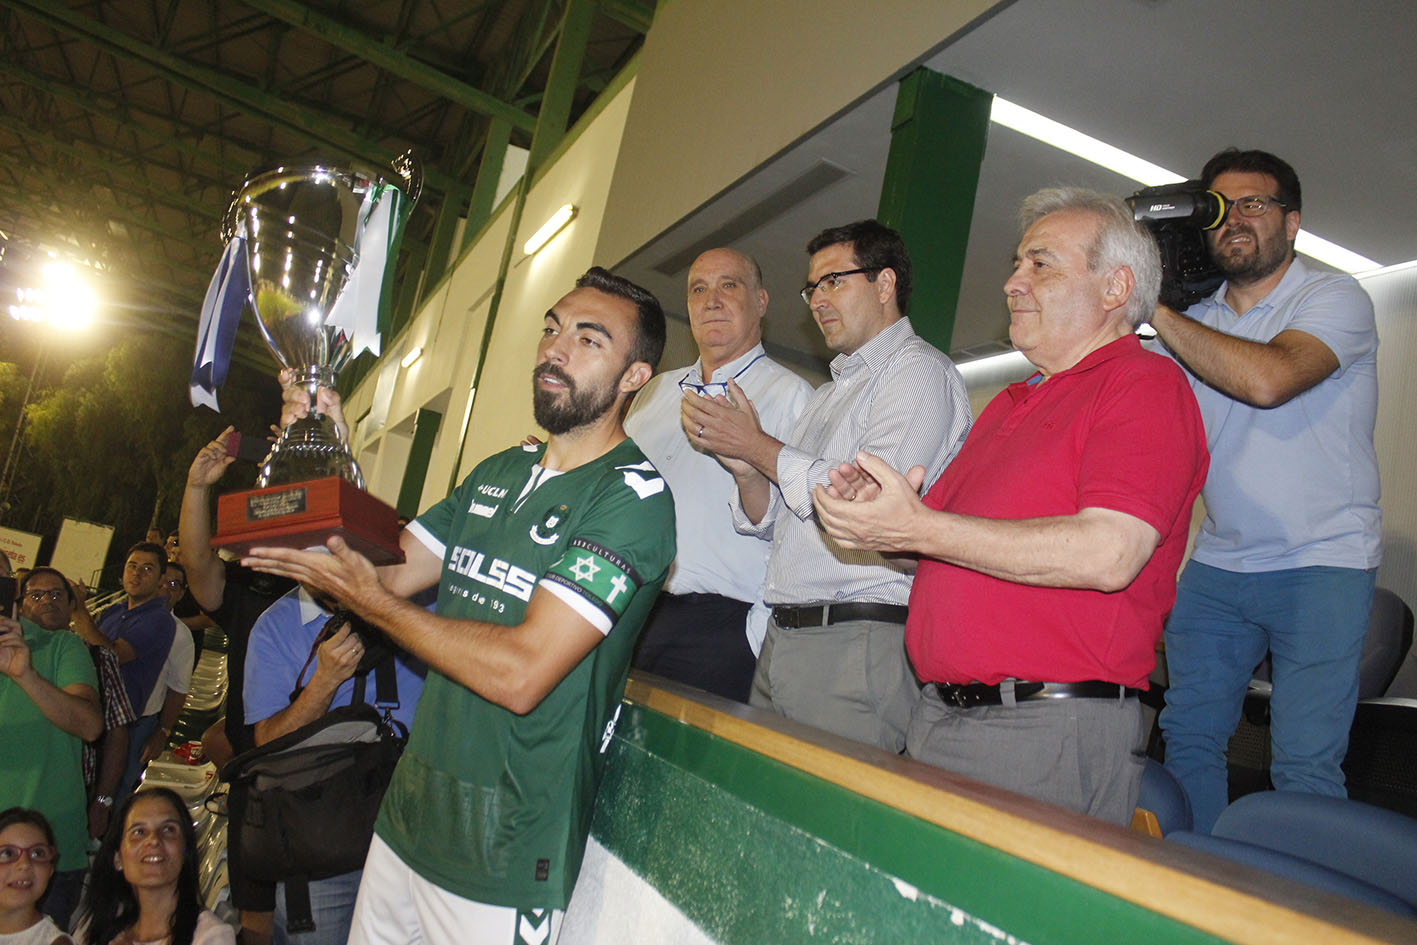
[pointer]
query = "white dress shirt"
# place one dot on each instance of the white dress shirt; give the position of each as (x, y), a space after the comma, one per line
(713, 558)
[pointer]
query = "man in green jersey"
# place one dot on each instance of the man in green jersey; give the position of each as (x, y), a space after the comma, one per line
(547, 559)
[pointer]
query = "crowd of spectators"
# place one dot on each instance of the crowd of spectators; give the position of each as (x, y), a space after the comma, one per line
(981, 594)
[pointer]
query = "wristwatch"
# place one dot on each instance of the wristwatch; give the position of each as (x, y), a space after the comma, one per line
(103, 800)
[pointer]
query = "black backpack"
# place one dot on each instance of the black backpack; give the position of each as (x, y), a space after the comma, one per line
(302, 806)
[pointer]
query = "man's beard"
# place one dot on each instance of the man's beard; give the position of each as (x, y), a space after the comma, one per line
(1250, 267)
(558, 414)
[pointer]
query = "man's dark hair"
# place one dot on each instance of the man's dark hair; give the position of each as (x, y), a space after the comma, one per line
(176, 566)
(35, 572)
(1257, 162)
(152, 548)
(649, 339)
(873, 246)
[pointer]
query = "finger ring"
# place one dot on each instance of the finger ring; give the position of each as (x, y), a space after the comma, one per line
(701, 431)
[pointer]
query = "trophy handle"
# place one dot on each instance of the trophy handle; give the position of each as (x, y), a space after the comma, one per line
(410, 168)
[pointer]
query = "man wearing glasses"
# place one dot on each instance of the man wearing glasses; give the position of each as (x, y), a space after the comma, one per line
(834, 655)
(49, 707)
(1048, 548)
(1283, 362)
(709, 622)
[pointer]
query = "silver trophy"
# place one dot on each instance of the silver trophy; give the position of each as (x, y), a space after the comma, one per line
(310, 232)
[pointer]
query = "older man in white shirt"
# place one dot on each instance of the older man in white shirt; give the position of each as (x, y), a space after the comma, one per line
(710, 620)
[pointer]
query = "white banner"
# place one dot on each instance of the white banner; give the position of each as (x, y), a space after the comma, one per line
(21, 547)
(81, 549)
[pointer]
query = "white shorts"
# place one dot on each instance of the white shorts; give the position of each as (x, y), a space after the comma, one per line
(396, 906)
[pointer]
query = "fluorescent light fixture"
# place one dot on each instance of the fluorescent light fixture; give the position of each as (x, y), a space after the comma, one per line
(1147, 174)
(550, 228)
(1004, 360)
(1333, 254)
(411, 357)
(1088, 148)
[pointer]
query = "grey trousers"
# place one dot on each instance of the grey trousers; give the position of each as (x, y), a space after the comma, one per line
(852, 679)
(1082, 754)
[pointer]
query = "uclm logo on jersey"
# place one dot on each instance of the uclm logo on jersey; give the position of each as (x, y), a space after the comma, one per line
(494, 572)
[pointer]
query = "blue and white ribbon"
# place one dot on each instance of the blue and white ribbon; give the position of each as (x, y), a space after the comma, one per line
(227, 294)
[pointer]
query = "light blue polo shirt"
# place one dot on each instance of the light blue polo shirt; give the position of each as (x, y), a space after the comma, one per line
(1297, 485)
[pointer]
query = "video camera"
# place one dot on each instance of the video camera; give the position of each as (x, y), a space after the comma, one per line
(1178, 216)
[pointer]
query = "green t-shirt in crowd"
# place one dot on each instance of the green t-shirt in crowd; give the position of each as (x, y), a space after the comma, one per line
(42, 766)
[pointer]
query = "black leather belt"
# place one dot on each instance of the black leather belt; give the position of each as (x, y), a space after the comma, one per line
(975, 694)
(824, 615)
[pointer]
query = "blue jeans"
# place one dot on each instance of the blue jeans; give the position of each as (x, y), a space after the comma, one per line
(331, 906)
(1312, 621)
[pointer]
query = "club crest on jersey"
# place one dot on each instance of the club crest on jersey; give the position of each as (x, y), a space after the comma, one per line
(544, 532)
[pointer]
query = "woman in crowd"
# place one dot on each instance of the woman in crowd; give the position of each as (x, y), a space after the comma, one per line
(27, 855)
(143, 886)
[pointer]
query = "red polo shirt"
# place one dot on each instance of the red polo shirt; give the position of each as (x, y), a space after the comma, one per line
(1119, 430)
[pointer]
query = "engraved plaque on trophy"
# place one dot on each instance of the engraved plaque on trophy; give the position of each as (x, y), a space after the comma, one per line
(307, 248)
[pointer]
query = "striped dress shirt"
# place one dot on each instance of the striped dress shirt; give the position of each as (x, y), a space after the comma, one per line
(897, 397)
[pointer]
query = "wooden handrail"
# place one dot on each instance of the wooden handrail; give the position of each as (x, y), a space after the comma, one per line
(1226, 899)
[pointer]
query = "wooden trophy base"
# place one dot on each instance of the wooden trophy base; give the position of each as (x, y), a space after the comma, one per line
(304, 515)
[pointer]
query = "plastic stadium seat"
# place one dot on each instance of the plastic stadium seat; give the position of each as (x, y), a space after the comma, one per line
(1163, 798)
(1344, 846)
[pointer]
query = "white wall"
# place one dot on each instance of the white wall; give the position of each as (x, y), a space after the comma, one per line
(726, 85)
(707, 105)
(1394, 293)
(449, 325)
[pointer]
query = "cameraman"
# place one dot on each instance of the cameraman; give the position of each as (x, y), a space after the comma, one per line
(1283, 362)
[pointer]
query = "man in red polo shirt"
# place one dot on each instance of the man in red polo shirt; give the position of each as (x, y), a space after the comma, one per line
(1049, 547)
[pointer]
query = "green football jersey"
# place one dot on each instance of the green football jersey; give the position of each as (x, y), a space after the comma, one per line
(487, 804)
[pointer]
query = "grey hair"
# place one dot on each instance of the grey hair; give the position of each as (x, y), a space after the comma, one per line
(1120, 240)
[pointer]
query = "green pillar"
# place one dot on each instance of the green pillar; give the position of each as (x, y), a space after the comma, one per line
(489, 172)
(554, 114)
(440, 247)
(405, 300)
(937, 144)
(425, 431)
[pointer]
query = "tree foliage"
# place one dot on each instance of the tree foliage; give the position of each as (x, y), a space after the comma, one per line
(110, 441)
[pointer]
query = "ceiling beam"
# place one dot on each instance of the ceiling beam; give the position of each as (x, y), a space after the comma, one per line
(637, 16)
(390, 59)
(120, 260)
(104, 161)
(92, 203)
(561, 84)
(119, 112)
(243, 96)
